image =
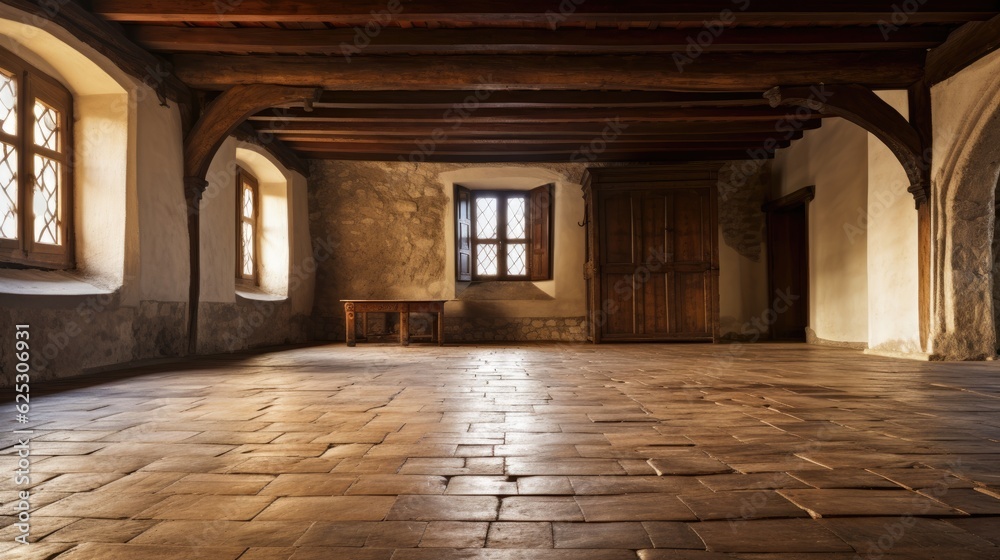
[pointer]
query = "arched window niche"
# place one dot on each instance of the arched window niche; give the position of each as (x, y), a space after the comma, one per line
(107, 105)
(222, 280)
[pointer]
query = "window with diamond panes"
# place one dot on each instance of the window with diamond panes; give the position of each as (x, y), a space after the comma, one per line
(35, 182)
(247, 228)
(505, 235)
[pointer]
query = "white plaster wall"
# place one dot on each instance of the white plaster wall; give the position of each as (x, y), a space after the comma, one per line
(163, 239)
(834, 158)
(218, 228)
(893, 271)
(302, 258)
(742, 290)
(100, 185)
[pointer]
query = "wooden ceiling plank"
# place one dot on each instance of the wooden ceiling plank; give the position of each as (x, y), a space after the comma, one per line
(408, 147)
(710, 72)
(968, 44)
(746, 138)
(351, 12)
(587, 131)
(722, 155)
(514, 41)
(452, 117)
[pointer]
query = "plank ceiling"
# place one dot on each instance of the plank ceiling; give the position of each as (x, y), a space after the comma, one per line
(537, 80)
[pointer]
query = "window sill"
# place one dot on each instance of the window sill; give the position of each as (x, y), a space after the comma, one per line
(502, 291)
(256, 294)
(47, 283)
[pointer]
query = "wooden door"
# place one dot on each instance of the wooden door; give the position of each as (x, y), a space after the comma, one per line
(788, 265)
(656, 272)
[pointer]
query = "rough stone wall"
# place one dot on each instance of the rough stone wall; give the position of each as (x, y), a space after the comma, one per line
(387, 223)
(231, 327)
(513, 329)
(996, 269)
(83, 334)
(741, 195)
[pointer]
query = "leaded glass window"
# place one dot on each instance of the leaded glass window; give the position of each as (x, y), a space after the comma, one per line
(501, 230)
(35, 181)
(248, 231)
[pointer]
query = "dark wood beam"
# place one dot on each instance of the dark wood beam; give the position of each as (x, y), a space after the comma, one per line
(451, 117)
(108, 40)
(968, 44)
(710, 72)
(531, 130)
(509, 150)
(554, 158)
(861, 106)
(689, 139)
(530, 41)
(350, 12)
(534, 99)
(226, 113)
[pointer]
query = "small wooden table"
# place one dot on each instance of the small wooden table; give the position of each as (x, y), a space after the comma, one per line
(402, 306)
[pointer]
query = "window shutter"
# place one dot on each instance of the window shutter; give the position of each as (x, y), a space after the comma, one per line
(541, 232)
(463, 234)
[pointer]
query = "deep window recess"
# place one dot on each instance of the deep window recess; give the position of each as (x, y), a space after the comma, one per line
(247, 229)
(36, 194)
(503, 235)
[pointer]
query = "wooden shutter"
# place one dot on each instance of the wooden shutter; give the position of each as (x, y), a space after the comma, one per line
(540, 208)
(463, 234)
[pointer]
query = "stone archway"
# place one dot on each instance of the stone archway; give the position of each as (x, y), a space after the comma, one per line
(964, 194)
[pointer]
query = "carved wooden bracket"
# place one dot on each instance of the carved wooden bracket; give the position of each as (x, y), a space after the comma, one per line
(227, 112)
(862, 107)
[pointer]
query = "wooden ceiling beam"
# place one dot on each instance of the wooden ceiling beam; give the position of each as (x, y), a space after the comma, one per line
(726, 155)
(547, 139)
(968, 44)
(534, 99)
(514, 150)
(452, 117)
(521, 41)
(709, 73)
(533, 130)
(352, 12)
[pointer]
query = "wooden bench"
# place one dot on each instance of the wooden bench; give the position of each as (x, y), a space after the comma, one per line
(402, 306)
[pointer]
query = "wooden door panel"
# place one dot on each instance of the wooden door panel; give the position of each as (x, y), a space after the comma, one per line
(652, 227)
(691, 240)
(617, 239)
(691, 309)
(656, 309)
(619, 304)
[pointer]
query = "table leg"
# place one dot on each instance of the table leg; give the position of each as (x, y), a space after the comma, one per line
(440, 327)
(404, 328)
(349, 312)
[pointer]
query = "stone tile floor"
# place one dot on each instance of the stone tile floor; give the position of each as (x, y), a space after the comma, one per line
(648, 452)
